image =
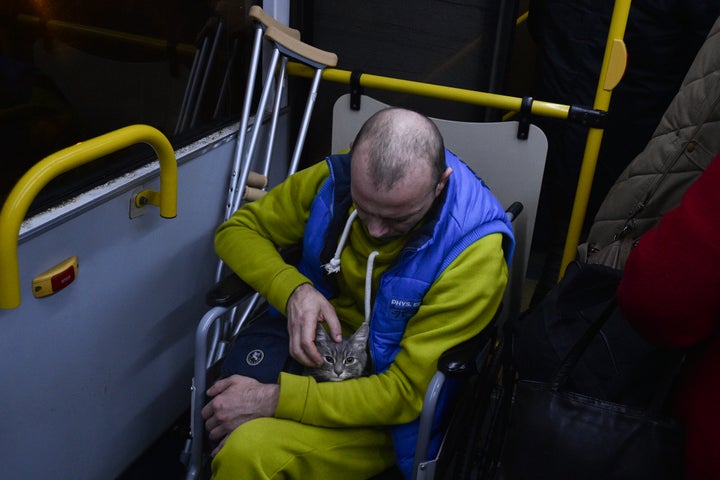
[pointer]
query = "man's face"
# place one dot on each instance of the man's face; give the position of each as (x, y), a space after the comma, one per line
(391, 213)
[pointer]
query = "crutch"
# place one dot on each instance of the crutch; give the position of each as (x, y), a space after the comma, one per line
(195, 88)
(247, 185)
(209, 326)
(262, 22)
(286, 44)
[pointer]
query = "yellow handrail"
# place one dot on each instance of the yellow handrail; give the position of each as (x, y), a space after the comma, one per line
(442, 92)
(611, 72)
(35, 179)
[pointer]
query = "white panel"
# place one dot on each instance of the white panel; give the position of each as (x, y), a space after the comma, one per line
(94, 374)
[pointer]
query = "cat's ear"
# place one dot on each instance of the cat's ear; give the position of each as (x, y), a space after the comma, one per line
(360, 337)
(320, 334)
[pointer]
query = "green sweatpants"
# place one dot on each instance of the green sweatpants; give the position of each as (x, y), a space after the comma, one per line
(284, 449)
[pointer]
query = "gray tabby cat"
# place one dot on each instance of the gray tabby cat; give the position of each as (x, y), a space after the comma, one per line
(341, 361)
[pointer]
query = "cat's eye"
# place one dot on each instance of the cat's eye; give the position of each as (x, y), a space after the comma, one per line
(329, 359)
(349, 360)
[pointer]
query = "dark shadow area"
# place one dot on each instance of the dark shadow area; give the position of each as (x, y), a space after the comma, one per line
(162, 459)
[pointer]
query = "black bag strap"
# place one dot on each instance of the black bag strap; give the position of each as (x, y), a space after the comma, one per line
(573, 356)
(562, 374)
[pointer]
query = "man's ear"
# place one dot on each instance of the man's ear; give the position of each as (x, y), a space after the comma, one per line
(443, 181)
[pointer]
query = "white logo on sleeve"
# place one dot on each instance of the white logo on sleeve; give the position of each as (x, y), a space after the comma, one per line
(255, 357)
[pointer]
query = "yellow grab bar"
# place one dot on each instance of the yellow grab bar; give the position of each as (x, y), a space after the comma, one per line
(522, 18)
(612, 70)
(442, 92)
(35, 179)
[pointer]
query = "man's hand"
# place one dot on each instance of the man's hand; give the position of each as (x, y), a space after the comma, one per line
(306, 307)
(237, 400)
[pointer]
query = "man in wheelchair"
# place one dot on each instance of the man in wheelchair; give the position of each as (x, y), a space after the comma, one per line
(443, 243)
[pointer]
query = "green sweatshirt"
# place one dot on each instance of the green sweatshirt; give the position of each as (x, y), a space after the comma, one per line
(461, 302)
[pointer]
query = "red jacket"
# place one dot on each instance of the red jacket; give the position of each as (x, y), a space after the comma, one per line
(670, 292)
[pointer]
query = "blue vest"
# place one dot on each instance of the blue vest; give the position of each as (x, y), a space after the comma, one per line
(465, 212)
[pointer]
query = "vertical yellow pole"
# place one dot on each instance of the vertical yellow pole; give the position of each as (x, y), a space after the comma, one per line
(611, 72)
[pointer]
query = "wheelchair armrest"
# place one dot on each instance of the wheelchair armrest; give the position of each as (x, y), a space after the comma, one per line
(227, 292)
(231, 289)
(462, 359)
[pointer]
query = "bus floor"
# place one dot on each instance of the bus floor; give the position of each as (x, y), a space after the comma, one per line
(162, 459)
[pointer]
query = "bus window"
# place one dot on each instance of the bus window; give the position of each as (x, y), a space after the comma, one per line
(75, 69)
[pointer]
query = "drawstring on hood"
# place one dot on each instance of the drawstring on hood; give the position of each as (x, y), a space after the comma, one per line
(368, 285)
(333, 266)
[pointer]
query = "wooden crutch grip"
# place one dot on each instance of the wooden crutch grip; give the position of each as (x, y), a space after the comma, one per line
(256, 180)
(251, 194)
(302, 51)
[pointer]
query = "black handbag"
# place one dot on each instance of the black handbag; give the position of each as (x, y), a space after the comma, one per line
(557, 433)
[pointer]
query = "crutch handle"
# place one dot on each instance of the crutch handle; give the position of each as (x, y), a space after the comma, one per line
(251, 194)
(299, 50)
(258, 14)
(256, 180)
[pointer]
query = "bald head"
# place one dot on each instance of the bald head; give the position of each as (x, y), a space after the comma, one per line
(397, 172)
(395, 142)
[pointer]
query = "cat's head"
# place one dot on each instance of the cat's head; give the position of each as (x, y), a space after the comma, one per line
(344, 360)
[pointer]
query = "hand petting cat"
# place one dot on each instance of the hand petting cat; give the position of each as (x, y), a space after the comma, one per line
(306, 307)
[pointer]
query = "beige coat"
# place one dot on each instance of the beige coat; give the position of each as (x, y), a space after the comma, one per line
(682, 146)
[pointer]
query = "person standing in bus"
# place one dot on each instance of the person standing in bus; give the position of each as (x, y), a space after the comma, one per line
(670, 292)
(435, 226)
